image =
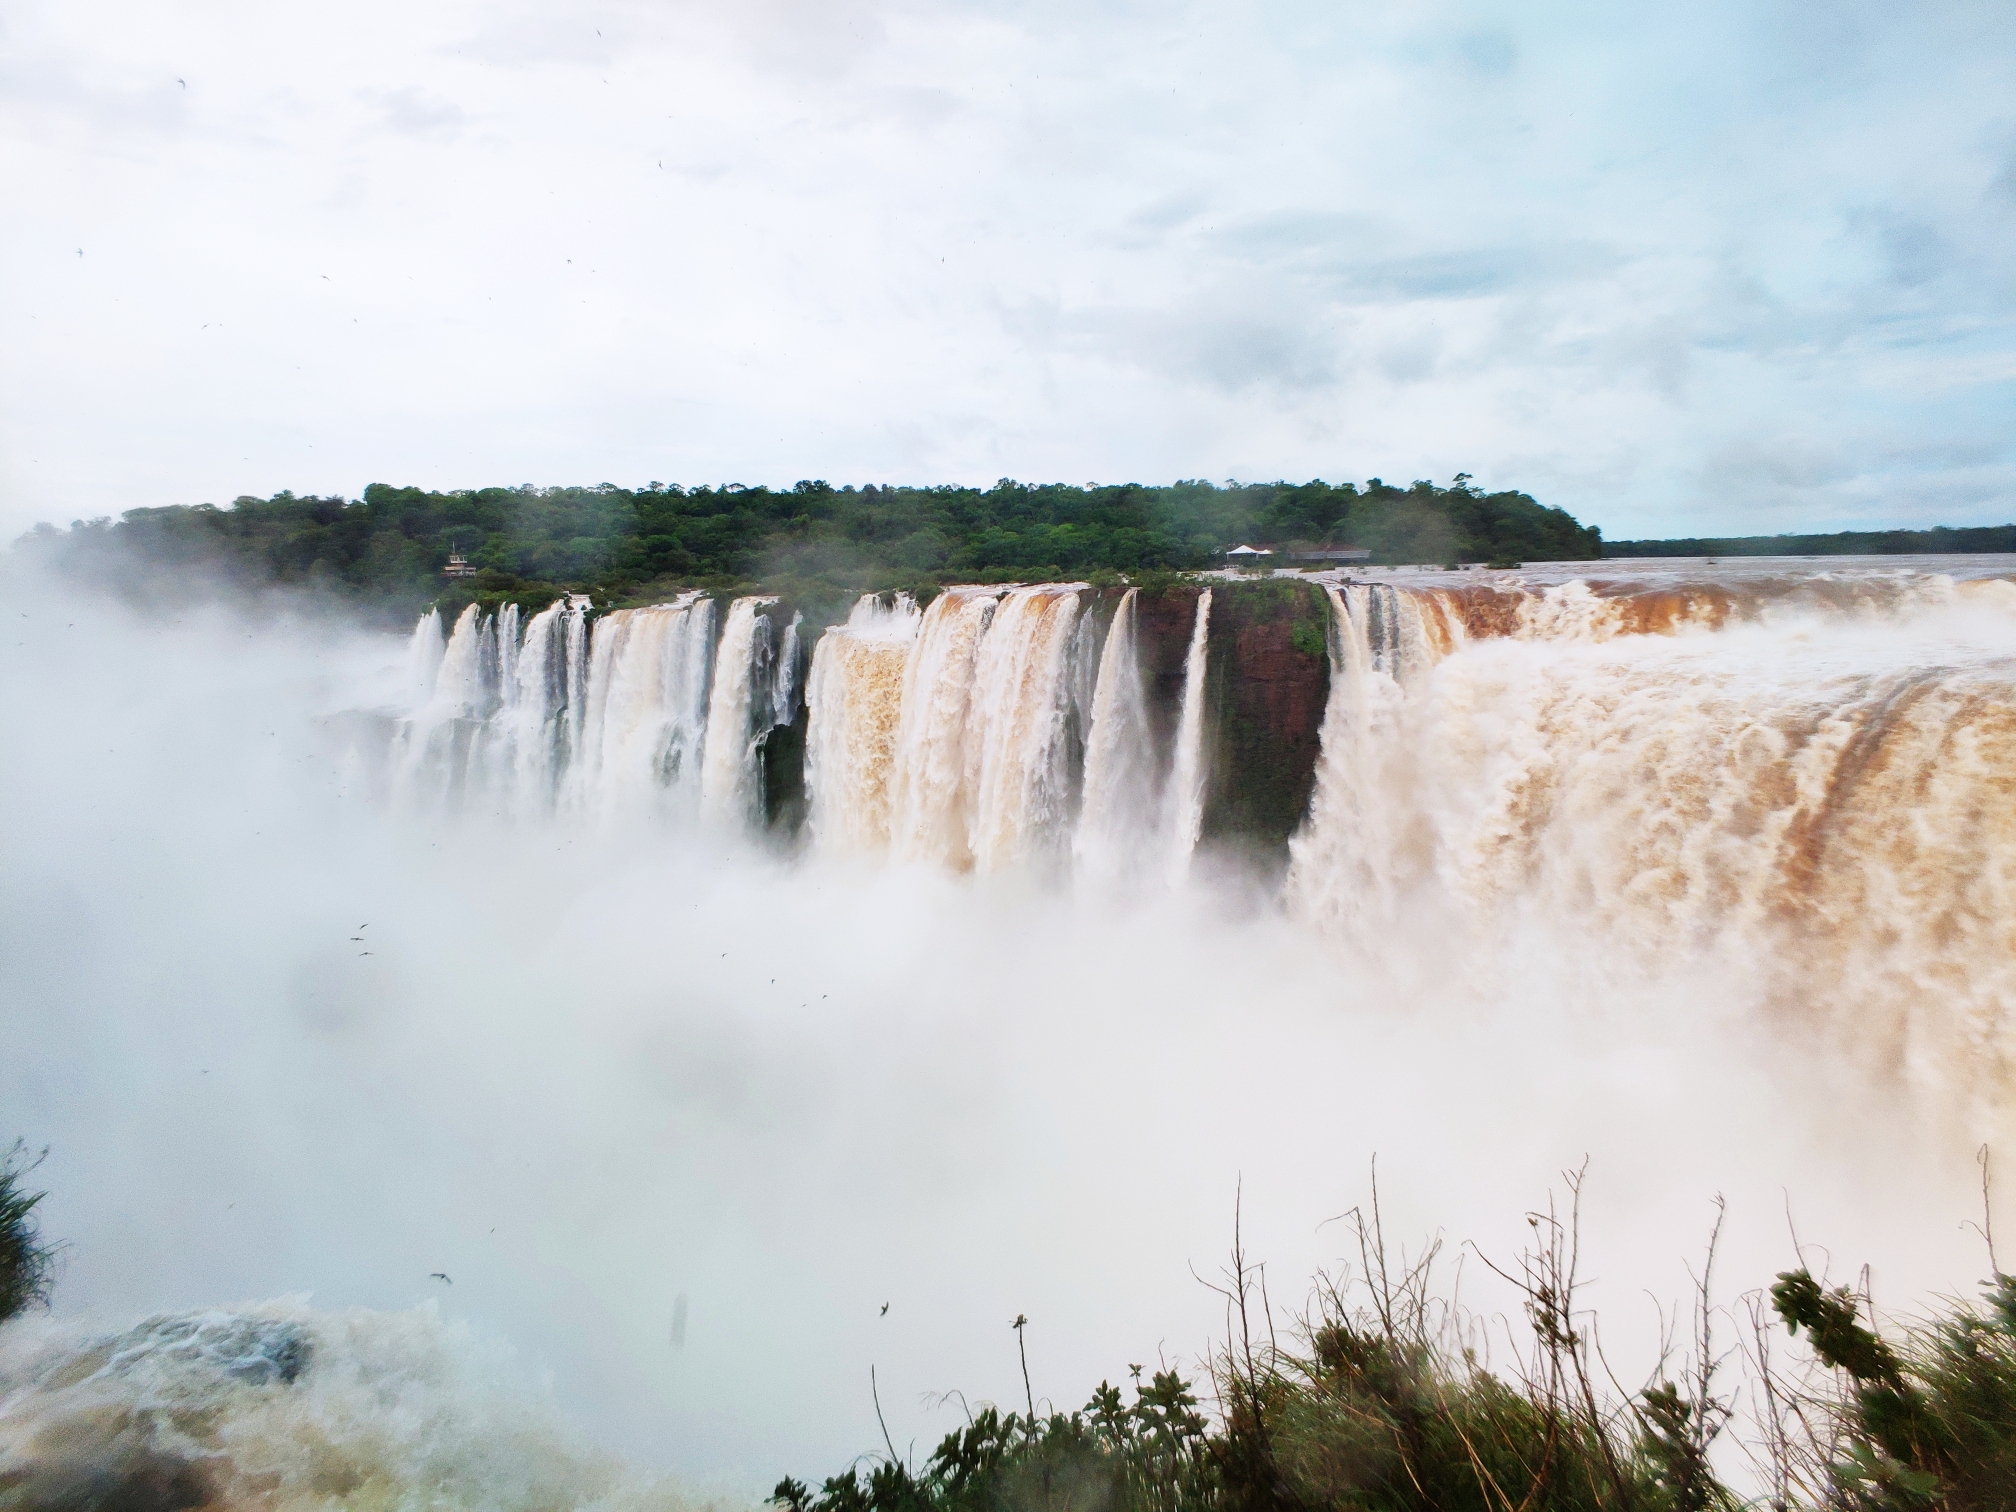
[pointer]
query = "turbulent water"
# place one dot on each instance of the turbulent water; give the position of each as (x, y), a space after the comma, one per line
(281, 1408)
(1817, 786)
(1805, 775)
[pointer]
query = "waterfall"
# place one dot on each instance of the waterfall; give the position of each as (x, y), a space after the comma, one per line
(1340, 867)
(1820, 810)
(931, 792)
(459, 691)
(507, 653)
(431, 749)
(1186, 773)
(646, 711)
(855, 700)
(1802, 779)
(784, 683)
(979, 765)
(530, 734)
(423, 658)
(730, 793)
(574, 668)
(1017, 759)
(1116, 817)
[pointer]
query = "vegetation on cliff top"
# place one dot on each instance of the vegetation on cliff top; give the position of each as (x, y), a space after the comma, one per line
(389, 548)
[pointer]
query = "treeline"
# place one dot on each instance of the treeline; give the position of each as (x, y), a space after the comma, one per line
(392, 545)
(1941, 540)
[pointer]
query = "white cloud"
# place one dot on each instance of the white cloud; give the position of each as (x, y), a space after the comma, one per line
(459, 243)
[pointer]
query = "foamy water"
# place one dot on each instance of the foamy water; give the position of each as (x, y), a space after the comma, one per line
(281, 1408)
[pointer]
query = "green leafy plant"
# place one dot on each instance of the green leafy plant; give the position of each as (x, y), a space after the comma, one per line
(27, 1265)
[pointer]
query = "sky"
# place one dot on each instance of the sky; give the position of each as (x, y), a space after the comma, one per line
(1728, 268)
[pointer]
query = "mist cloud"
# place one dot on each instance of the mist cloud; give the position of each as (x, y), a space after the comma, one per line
(587, 1075)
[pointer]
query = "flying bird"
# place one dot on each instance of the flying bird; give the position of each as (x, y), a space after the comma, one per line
(183, 82)
(439, 1276)
(885, 1311)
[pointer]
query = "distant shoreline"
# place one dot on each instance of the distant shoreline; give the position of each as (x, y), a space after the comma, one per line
(1941, 540)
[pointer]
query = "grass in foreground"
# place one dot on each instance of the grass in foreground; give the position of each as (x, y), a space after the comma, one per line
(27, 1266)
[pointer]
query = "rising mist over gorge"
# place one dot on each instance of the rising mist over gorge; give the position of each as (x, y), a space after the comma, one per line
(1697, 765)
(511, 947)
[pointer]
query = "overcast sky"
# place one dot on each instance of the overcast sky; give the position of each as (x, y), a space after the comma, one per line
(1716, 267)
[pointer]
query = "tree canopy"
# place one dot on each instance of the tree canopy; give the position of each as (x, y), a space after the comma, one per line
(391, 546)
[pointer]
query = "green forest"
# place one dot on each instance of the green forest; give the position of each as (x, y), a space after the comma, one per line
(389, 548)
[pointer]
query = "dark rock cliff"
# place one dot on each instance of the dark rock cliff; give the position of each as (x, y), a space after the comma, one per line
(1267, 680)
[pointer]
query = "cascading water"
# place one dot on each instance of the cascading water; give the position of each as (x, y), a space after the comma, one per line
(1017, 762)
(433, 748)
(621, 719)
(647, 712)
(854, 698)
(1186, 775)
(1806, 779)
(784, 680)
(1378, 638)
(423, 657)
(1117, 814)
(506, 634)
(462, 683)
(530, 739)
(931, 802)
(969, 761)
(1819, 804)
(730, 796)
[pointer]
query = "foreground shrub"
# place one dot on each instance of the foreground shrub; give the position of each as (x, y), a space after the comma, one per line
(1150, 1456)
(26, 1264)
(1381, 1400)
(1926, 1421)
